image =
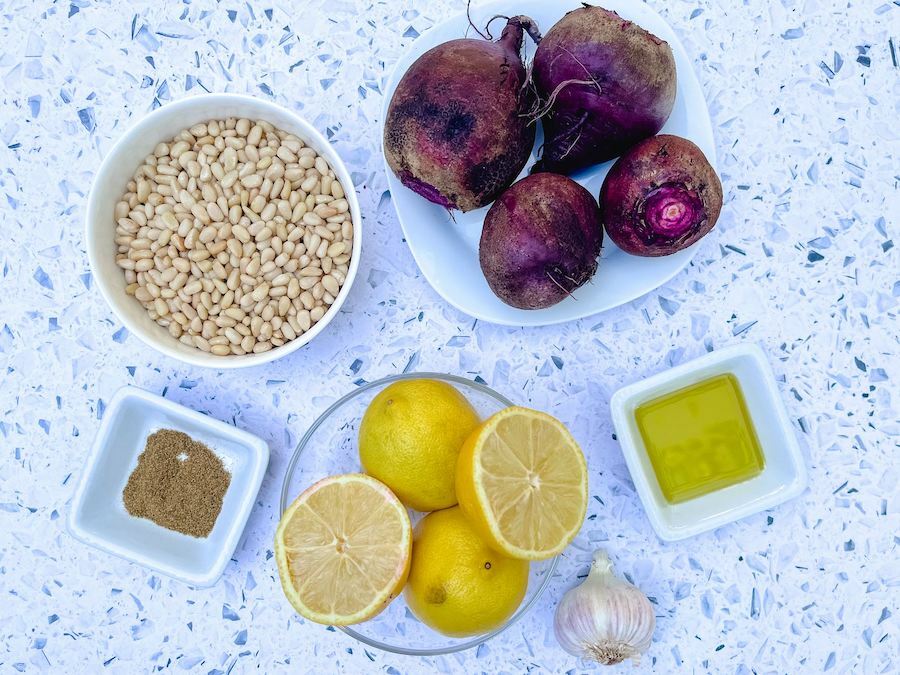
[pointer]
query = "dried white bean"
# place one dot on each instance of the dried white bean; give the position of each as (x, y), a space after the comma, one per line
(234, 236)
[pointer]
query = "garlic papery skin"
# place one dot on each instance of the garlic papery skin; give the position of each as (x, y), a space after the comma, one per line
(605, 618)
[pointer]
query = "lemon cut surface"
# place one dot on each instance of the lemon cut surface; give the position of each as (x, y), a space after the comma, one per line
(343, 549)
(522, 481)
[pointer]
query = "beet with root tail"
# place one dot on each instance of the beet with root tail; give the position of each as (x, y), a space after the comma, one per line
(604, 84)
(456, 130)
(541, 240)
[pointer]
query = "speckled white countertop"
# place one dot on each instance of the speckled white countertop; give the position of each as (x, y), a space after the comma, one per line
(805, 99)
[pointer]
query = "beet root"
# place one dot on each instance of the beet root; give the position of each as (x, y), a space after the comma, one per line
(604, 83)
(541, 240)
(660, 197)
(455, 131)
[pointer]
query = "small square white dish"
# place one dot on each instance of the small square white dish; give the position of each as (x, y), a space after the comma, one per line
(98, 517)
(783, 476)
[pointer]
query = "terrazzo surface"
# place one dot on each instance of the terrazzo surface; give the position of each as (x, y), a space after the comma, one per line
(805, 100)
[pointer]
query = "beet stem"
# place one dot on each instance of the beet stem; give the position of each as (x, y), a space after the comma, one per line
(526, 23)
(512, 33)
(530, 27)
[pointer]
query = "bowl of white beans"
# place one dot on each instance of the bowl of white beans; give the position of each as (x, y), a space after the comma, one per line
(223, 231)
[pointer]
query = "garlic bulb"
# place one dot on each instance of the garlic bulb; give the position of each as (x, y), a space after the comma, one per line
(605, 618)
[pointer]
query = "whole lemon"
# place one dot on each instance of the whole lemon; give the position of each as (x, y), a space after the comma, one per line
(410, 437)
(458, 585)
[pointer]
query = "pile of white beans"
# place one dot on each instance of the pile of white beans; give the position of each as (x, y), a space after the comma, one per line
(235, 236)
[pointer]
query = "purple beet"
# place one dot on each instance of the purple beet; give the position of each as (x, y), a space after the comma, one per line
(660, 197)
(604, 83)
(541, 240)
(456, 132)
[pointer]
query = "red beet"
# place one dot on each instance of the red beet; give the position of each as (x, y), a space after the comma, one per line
(541, 240)
(604, 83)
(455, 130)
(660, 197)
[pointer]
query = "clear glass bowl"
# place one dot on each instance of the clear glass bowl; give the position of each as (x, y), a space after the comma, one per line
(330, 447)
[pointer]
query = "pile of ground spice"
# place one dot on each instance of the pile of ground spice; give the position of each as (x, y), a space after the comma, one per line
(178, 484)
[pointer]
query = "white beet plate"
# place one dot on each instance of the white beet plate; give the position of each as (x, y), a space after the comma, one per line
(446, 248)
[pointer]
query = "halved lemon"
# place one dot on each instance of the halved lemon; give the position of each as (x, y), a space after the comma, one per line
(343, 549)
(522, 480)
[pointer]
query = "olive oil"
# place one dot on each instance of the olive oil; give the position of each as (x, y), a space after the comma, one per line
(700, 438)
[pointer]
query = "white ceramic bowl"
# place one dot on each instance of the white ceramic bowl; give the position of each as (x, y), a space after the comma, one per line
(98, 516)
(783, 476)
(445, 245)
(127, 155)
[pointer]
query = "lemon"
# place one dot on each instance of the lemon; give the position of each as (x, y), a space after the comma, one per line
(410, 437)
(343, 549)
(457, 584)
(522, 481)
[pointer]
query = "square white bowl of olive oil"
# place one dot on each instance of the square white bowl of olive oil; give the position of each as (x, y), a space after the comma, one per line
(782, 474)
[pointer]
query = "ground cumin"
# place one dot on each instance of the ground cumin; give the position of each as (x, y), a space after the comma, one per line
(178, 484)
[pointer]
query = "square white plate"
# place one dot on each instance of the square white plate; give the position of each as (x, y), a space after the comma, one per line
(98, 516)
(445, 245)
(782, 478)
